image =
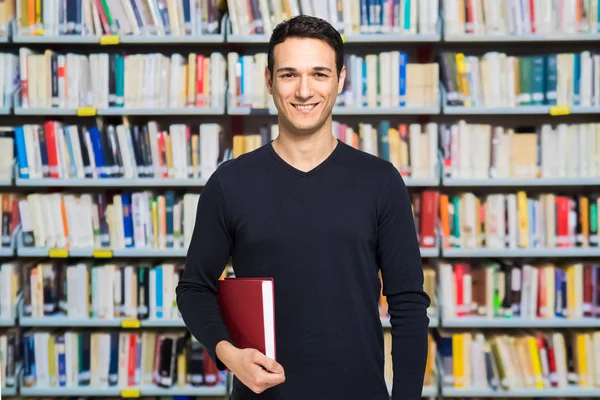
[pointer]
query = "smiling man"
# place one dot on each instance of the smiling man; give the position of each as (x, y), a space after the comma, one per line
(322, 219)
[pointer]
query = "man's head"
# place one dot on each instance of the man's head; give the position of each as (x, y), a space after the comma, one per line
(305, 72)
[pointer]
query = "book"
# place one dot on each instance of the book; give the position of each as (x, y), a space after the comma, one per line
(248, 309)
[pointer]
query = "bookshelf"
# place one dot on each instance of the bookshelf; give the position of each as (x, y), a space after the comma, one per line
(227, 41)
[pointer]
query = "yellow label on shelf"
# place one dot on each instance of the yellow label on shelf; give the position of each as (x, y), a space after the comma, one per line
(101, 253)
(86, 111)
(58, 253)
(130, 323)
(109, 39)
(560, 110)
(130, 393)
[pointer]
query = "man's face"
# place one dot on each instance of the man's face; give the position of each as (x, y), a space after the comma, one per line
(305, 83)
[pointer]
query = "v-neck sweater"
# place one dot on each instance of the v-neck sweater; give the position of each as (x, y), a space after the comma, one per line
(324, 236)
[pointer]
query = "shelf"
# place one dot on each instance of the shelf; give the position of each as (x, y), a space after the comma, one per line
(5, 182)
(133, 252)
(483, 322)
(391, 38)
(521, 182)
(172, 40)
(5, 111)
(7, 252)
(4, 39)
(66, 321)
(520, 110)
(524, 38)
(162, 111)
(84, 391)
(45, 111)
(250, 111)
(429, 391)
(572, 391)
(111, 182)
(7, 322)
(523, 110)
(514, 253)
(162, 323)
(427, 182)
(63, 39)
(430, 252)
(46, 252)
(11, 391)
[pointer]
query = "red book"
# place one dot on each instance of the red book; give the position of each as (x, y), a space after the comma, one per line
(248, 309)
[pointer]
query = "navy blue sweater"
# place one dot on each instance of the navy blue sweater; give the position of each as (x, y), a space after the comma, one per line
(322, 235)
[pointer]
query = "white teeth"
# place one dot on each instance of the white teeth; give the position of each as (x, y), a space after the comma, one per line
(305, 107)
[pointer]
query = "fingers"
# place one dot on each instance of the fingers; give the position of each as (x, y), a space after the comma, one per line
(264, 380)
(267, 363)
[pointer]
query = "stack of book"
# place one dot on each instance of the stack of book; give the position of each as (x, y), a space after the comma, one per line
(52, 79)
(525, 291)
(502, 80)
(486, 151)
(58, 150)
(91, 18)
(519, 220)
(144, 219)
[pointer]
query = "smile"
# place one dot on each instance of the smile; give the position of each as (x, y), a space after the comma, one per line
(305, 107)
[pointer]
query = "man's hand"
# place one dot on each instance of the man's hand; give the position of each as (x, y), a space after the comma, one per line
(255, 370)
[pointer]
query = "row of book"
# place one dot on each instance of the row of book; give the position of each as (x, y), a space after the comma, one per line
(129, 80)
(515, 17)
(58, 150)
(487, 151)
(140, 219)
(100, 291)
(502, 80)
(115, 358)
(406, 17)
(519, 290)
(524, 360)
(130, 17)
(518, 220)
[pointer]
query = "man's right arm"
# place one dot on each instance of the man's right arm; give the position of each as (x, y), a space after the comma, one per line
(207, 256)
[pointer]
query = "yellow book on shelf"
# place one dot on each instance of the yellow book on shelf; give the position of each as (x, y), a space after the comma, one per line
(463, 83)
(458, 359)
(169, 151)
(52, 373)
(523, 219)
(580, 359)
(585, 220)
(536, 362)
(570, 311)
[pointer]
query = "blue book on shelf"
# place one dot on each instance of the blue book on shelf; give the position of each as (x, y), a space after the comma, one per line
(364, 15)
(62, 361)
(72, 166)
(576, 79)
(551, 79)
(558, 293)
(127, 219)
(383, 140)
(113, 365)
(538, 80)
(159, 292)
(29, 375)
(403, 62)
(98, 154)
(22, 162)
(407, 6)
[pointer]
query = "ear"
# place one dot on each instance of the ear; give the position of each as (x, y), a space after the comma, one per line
(341, 80)
(269, 81)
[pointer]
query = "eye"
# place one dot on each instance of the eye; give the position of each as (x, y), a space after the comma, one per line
(320, 75)
(287, 75)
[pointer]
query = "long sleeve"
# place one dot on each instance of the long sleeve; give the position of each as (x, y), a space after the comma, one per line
(207, 257)
(399, 259)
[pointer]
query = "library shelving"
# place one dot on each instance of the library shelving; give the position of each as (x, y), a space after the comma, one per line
(521, 110)
(132, 392)
(532, 37)
(110, 182)
(521, 323)
(560, 252)
(500, 182)
(573, 391)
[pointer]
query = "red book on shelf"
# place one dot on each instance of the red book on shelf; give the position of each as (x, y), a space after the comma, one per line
(248, 309)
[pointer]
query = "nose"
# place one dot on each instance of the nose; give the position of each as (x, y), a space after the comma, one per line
(303, 90)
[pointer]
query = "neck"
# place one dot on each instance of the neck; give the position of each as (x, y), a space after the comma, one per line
(307, 150)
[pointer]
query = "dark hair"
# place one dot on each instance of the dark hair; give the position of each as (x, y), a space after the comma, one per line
(306, 26)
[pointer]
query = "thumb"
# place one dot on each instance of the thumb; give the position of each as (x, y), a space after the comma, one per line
(268, 363)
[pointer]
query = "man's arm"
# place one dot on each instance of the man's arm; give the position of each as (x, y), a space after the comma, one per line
(207, 257)
(399, 258)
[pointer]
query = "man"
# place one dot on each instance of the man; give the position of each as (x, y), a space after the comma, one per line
(321, 219)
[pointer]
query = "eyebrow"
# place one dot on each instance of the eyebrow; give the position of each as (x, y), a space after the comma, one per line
(290, 69)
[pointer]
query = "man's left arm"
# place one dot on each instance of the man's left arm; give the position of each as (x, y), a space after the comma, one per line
(399, 259)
